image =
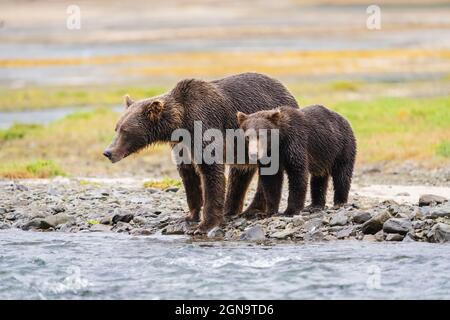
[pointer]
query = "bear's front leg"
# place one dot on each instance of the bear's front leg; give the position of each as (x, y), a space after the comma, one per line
(192, 186)
(298, 183)
(272, 187)
(213, 182)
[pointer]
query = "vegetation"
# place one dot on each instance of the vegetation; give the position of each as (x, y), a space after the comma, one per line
(18, 131)
(163, 183)
(34, 169)
(387, 129)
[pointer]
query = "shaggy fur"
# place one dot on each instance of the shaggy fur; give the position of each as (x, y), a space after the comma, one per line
(312, 140)
(215, 103)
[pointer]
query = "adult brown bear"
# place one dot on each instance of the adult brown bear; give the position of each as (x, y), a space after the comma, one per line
(215, 104)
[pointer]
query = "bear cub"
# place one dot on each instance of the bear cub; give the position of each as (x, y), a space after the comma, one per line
(313, 140)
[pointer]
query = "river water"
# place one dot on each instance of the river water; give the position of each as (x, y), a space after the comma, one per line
(37, 265)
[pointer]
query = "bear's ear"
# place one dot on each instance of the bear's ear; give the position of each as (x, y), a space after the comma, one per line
(241, 117)
(154, 109)
(275, 116)
(127, 101)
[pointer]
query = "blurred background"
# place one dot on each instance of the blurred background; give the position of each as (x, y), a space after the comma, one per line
(61, 86)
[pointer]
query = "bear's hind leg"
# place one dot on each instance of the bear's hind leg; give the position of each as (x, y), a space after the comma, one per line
(342, 179)
(319, 185)
(238, 181)
(193, 188)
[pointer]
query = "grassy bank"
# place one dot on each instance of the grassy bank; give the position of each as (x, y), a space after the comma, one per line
(387, 129)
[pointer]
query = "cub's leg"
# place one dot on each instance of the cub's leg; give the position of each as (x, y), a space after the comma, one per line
(258, 204)
(272, 186)
(298, 182)
(193, 188)
(238, 181)
(213, 183)
(319, 185)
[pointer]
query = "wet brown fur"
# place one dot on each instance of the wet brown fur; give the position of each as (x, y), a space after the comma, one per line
(312, 140)
(215, 103)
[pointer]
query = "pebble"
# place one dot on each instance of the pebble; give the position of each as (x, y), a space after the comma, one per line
(375, 224)
(339, 219)
(397, 225)
(253, 233)
(431, 199)
(361, 217)
(394, 237)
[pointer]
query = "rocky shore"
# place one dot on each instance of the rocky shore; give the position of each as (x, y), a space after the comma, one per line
(72, 205)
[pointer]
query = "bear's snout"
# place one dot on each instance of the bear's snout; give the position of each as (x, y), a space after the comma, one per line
(107, 154)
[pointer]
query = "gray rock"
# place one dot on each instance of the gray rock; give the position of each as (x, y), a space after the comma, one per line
(312, 224)
(57, 219)
(395, 237)
(298, 221)
(20, 187)
(4, 226)
(440, 211)
(430, 199)
(440, 232)
(313, 236)
(141, 232)
(100, 228)
(216, 233)
(375, 224)
(253, 233)
(139, 220)
(36, 223)
(397, 225)
(339, 219)
(379, 236)
(408, 238)
(122, 218)
(177, 228)
(346, 232)
(172, 189)
(361, 217)
(240, 222)
(369, 237)
(417, 224)
(106, 220)
(283, 234)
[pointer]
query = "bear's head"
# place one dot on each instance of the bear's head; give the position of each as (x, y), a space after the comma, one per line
(259, 128)
(143, 122)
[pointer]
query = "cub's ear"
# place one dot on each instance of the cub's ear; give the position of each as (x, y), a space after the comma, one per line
(154, 109)
(127, 101)
(275, 116)
(241, 117)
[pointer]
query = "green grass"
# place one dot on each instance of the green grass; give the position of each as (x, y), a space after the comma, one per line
(163, 183)
(18, 131)
(387, 129)
(47, 98)
(398, 128)
(34, 169)
(443, 149)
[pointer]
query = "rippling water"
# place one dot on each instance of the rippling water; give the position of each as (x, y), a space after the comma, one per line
(110, 266)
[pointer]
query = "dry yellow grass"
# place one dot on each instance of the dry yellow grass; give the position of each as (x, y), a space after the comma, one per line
(213, 64)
